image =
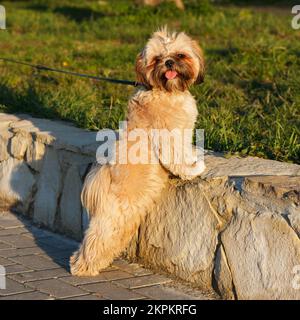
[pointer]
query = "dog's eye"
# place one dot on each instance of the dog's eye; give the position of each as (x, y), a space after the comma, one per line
(180, 55)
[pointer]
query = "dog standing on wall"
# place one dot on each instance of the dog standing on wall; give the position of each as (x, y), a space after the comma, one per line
(118, 196)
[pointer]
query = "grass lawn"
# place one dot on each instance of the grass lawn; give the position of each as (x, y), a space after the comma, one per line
(249, 103)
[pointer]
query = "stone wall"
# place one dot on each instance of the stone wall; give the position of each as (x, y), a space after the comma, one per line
(235, 229)
(42, 167)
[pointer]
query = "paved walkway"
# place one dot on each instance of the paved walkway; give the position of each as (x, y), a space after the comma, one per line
(36, 264)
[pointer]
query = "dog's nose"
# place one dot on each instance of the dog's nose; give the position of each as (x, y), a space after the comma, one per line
(169, 63)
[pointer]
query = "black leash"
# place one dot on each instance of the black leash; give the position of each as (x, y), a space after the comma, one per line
(82, 75)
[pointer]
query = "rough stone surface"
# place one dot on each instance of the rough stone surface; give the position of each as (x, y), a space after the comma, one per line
(262, 251)
(49, 185)
(18, 145)
(57, 155)
(237, 233)
(85, 220)
(4, 144)
(59, 134)
(282, 187)
(180, 236)
(70, 204)
(223, 276)
(294, 218)
(35, 155)
(218, 166)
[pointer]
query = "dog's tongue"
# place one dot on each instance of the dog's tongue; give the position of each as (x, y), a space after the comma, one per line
(170, 74)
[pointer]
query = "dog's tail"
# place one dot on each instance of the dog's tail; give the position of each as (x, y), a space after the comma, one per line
(95, 188)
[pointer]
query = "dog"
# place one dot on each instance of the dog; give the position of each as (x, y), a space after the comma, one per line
(118, 196)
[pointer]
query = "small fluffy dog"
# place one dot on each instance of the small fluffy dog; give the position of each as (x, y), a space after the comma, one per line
(118, 196)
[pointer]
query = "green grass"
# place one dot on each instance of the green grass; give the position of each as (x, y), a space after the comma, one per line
(249, 103)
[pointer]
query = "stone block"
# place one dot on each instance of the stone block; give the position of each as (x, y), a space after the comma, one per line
(48, 190)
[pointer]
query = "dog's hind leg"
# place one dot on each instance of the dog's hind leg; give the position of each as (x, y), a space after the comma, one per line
(116, 212)
(108, 235)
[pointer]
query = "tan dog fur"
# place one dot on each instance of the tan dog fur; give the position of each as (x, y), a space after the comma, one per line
(118, 196)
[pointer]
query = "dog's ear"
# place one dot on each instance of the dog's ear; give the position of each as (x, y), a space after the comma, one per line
(140, 70)
(199, 53)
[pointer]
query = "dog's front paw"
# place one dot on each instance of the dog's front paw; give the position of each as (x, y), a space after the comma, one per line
(193, 171)
(77, 267)
(81, 268)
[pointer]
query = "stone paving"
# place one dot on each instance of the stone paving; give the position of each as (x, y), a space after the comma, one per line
(36, 264)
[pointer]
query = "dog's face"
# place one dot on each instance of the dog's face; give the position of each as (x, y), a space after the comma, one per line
(170, 62)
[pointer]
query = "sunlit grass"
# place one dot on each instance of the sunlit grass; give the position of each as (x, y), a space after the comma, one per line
(249, 103)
